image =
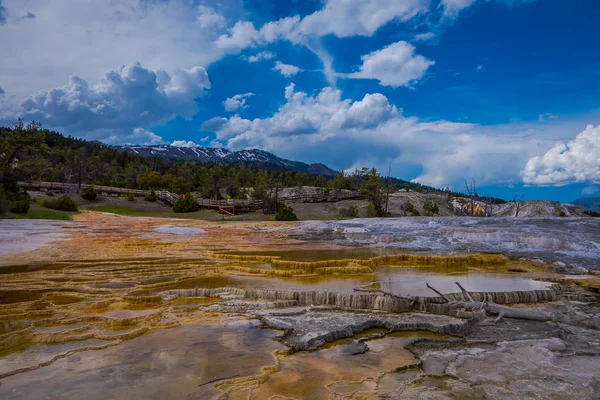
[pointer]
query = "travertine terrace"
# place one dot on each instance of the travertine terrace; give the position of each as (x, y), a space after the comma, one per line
(143, 307)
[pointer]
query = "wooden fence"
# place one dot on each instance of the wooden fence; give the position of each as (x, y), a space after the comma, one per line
(74, 188)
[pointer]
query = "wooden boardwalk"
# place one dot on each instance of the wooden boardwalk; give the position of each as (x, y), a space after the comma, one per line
(74, 188)
(230, 207)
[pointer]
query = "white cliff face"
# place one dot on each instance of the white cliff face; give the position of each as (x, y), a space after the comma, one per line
(574, 241)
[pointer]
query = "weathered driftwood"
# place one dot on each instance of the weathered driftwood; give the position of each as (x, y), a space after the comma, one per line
(495, 309)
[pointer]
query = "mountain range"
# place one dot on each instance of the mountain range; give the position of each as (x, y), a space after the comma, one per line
(210, 155)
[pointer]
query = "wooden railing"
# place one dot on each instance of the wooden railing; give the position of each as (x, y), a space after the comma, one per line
(74, 187)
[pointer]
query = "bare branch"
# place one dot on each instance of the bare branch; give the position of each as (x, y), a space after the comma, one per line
(462, 289)
(438, 293)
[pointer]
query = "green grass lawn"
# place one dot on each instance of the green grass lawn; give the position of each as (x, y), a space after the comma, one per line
(38, 212)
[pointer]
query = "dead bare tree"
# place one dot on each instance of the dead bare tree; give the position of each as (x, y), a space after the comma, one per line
(517, 199)
(388, 188)
(471, 191)
(489, 207)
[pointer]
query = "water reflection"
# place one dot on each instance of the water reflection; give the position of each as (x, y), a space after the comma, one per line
(168, 364)
(400, 281)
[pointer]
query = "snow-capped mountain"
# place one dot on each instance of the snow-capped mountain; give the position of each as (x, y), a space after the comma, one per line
(210, 155)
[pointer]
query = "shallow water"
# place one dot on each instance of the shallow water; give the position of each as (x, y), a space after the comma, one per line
(35, 355)
(177, 230)
(335, 371)
(117, 299)
(356, 253)
(402, 281)
(167, 364)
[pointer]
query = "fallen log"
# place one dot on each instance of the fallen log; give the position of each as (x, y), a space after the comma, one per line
(495, 309)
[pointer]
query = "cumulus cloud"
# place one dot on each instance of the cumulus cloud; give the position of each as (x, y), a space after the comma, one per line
(340, 18)
(576, 161)
(394, 65)
(237, 102)
(263, 55)
(480, 68)
(286, 70)
(89, 37)
(125, 98)
(208, 18)
(373, 132)
(242, 35)
(137, 136)
(359, 17)
(183, 143)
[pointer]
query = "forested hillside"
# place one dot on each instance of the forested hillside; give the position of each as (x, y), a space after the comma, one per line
(29, 153)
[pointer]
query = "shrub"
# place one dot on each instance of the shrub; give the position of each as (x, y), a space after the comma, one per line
(350, 211)
(64, 203)
(376, 212)
(150, 196)
(431, 208)
(285, 213)
(90, 193)
(20, 206)
(371, 210)
(49, 193)
(186, 203)
(131, 198)
(410, 208)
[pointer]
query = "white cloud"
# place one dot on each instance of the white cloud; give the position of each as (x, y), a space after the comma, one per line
(423, 37)
(263, 55)
(341, 18)
(286, 70)
(236, 102)
(242, 35)
(89, 37)
(394, 65)
(125, 98)
(576, 161)
(183, 143)
(358, 17)
(137, 136)
(208, 18)
(372, 132)
(453, 7)
(480, 68)
(589, 190)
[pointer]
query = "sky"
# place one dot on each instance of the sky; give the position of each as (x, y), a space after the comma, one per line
(503, 92)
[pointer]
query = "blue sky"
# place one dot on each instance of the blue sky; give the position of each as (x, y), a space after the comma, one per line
(502, 91)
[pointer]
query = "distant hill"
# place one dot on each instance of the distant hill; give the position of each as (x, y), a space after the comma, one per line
(210, 155)
(589, 204)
